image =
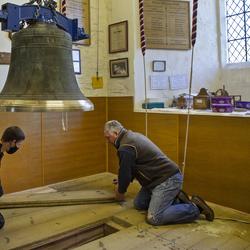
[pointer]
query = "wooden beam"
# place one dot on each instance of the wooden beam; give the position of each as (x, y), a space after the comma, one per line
(57, 199)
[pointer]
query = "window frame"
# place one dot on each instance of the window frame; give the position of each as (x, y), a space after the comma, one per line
(223, 41)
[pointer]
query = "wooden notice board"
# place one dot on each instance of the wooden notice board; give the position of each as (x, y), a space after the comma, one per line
(80, 9)
(167, 24)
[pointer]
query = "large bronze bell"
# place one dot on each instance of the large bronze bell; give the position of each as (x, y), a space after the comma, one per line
(41, 74)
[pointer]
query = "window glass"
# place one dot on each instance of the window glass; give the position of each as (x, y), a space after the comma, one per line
(238, 30)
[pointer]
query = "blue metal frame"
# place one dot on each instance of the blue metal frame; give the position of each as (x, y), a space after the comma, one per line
(12, 16)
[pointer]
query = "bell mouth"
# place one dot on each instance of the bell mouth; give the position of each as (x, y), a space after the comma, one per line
(45, 105)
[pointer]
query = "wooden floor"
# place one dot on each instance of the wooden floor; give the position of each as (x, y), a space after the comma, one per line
(29, 228)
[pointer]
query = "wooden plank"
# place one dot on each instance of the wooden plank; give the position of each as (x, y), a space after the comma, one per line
(57, 199)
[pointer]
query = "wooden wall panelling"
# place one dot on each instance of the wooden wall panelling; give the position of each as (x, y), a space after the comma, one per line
(122, 109)
(78, 152)
(163, 131)
(23, 169)
(218, 160)
(182, 134)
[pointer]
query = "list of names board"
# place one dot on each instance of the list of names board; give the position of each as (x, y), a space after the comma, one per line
(167, 24)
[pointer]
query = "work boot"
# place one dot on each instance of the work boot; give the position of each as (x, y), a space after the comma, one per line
(2, 221)
(203, 207)
(183, 197)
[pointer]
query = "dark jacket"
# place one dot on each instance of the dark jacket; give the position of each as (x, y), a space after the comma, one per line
(149, 165)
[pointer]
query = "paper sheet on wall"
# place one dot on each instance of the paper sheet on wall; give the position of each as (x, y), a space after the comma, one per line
(178, 82)
(159, 82)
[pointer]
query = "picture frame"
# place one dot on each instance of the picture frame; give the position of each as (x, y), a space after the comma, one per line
(5, 57)
(118, 37)
(159, 66)
(119, 68)
(76, 56)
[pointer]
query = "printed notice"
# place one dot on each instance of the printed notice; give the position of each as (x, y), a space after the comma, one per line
(79, 9)
(167, 24)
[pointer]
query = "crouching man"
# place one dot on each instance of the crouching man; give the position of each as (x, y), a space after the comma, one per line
(160, 178)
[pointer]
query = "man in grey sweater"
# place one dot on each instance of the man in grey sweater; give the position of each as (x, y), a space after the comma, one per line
(160, 178)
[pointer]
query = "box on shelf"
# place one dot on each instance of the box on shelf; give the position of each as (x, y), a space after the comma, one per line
(202, 100)
(242, 104)
(222, 102)
(222, 108)
(184, 101)
(151, 105)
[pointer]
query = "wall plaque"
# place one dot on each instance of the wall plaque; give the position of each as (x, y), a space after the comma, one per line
(80, 9)
(167, 24)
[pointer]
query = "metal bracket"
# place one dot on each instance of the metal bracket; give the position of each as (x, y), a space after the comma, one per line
(13, 15)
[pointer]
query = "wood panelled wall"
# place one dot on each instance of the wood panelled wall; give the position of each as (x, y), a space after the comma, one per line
(218, 160)
(218, 155)
(125, 114)
(50, 154)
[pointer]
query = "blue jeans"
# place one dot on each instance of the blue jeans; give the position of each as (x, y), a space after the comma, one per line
(162, 205)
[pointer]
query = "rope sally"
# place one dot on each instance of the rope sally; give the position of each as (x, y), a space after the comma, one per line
(142, 31)
(143, 50)
(194, 22)
(63, 7)
(193, 40)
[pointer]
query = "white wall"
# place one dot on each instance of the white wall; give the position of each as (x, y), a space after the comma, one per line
(123, 10)
(206, 63)
(209, 69)
(89, 53)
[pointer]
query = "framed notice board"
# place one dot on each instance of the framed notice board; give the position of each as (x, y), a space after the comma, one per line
(167, 24)
(80, 9)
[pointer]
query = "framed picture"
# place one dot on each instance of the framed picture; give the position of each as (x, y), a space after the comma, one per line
(4, 58)
(76, 55)
(118, 37)
(119, 67)
(159, 66)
